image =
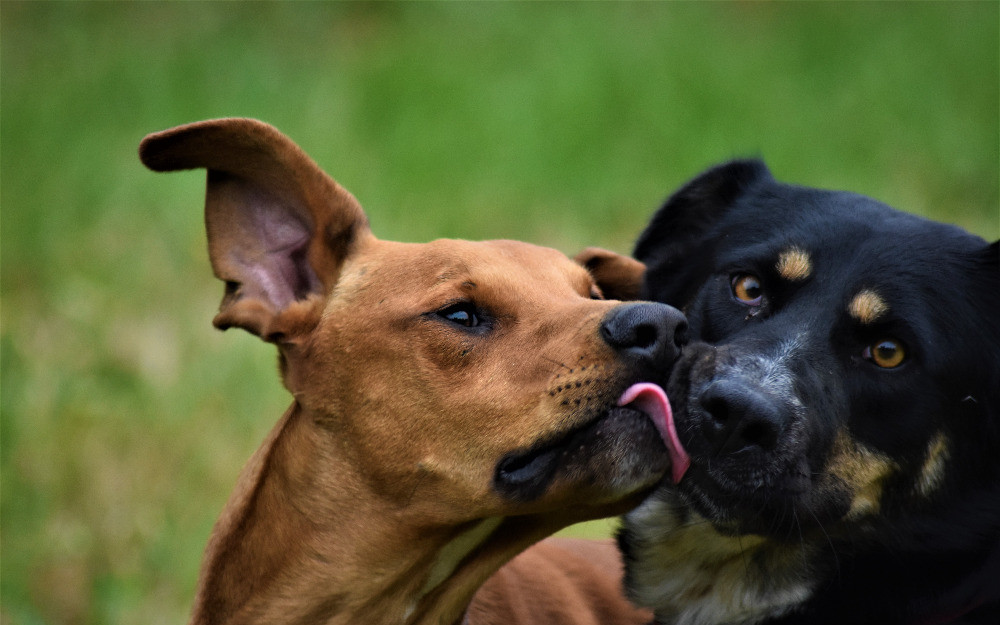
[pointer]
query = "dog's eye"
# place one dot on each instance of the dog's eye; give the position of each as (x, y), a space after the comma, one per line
(463, 314)
(747, 288)
(887, 353)
(595, 293)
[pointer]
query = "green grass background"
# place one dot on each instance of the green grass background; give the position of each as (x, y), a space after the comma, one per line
(125, 417)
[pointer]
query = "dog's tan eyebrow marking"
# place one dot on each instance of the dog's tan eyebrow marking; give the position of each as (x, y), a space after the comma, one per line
(867, 306)
(794, 264)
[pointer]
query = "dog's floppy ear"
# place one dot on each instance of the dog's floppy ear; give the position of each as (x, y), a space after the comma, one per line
(676, 246)
(618, 277)
(278, 227)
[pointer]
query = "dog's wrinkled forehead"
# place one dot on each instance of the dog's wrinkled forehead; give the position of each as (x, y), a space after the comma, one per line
(490, 268)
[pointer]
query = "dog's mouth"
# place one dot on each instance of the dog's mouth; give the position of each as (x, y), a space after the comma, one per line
(629, 446)
(769, 493)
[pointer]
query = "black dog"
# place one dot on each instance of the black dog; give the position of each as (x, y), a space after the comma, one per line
(840, 403)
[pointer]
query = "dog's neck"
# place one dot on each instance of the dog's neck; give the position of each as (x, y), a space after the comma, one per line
(303, 540)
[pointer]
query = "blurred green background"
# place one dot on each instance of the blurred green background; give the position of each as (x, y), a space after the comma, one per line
(126, 418)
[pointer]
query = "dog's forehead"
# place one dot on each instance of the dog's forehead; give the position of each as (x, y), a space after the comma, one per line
(799, 230)
(508, 260)
(868, 261)
(449, 260)
(874, 266)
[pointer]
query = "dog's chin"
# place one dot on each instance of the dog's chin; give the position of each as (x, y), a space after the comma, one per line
(728, 517)
(614, 455)
(779, 512)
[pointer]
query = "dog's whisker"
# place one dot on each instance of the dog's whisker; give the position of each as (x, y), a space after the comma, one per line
(420, 478)
(557, 363)
(829, 541)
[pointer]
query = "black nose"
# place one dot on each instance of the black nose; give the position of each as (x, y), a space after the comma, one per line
(649, 334)
(741, 417)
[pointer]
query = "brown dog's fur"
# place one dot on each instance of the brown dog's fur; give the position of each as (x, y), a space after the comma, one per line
(373, 499)
(559, 581)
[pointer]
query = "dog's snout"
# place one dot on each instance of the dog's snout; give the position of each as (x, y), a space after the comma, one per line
(740, 417)
(649, 333)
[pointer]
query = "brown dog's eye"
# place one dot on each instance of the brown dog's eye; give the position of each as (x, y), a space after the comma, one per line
(887, 353)
(747, 288)
(463, 314)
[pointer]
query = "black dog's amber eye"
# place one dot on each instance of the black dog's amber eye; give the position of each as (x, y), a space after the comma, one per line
(887, 353)
(463, 314)
(747, 288)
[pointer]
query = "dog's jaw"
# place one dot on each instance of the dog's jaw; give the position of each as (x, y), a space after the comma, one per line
(713, 578)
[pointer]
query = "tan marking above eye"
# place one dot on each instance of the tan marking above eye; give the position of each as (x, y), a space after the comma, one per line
(794, 264)
(867, 307)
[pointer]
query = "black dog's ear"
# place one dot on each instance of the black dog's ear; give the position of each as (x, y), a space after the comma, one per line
(676, 246)
(991, 259)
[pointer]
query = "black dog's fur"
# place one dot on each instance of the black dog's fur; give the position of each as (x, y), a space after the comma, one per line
(840, 401)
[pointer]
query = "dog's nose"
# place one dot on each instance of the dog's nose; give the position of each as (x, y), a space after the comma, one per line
(740, 417)
(649, 334)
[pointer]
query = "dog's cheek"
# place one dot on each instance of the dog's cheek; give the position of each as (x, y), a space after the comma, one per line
(451, 356)
(827, 503)
(905, 415)
(712, 314)
(863, 473)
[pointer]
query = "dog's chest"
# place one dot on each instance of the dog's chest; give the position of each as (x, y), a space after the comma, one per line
(690, 574)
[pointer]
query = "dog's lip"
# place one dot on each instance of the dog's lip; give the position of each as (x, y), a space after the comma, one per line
(531, 470)
(526, 473)
(650, 399)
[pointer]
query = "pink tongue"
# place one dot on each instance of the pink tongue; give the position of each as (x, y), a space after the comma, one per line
(651, 399)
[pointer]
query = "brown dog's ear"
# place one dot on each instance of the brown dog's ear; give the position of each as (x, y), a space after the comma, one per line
(618, 277)
(278, 227)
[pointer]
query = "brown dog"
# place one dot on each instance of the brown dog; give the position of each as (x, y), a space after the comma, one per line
(454, 402)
